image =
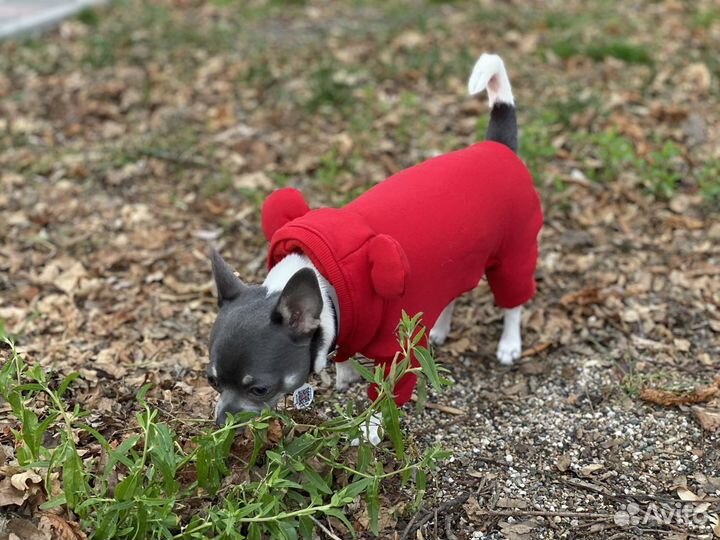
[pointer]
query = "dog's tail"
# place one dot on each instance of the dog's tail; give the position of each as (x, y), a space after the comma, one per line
(489, 74)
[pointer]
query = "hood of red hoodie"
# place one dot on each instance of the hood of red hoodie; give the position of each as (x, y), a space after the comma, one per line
(364, 267)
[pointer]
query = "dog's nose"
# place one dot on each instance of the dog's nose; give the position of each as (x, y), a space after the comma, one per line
(222, 410)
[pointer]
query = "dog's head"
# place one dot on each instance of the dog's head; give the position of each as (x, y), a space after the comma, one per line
(262, 344)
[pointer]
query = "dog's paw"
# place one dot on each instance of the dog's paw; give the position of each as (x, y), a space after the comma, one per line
(439, 334)
(370, 431)
(345, 375)
(509, 350)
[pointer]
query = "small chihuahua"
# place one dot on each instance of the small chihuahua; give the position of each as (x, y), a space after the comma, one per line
(340, 278)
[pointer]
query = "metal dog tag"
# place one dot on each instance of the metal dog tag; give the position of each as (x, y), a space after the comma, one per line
(303, 396)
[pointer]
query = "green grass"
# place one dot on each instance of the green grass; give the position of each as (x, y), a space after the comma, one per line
(633, 381)
(88, 16)
(144, 484)
(662, 170)
(328, 90)
(114, 39)
(705, 18)
(216, 183)
(613, 154)
(622, 50)
(535, 147)
(708, 180)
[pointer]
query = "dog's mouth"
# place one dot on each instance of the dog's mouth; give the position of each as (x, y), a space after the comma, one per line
(231, 403)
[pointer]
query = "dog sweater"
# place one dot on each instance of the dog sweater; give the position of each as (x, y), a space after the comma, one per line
(415, 242)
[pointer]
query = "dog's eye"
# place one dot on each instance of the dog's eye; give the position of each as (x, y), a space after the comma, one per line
(259, 391)
(212, 381)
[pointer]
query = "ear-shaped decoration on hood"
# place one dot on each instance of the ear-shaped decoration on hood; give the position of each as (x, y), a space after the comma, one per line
(280, 207)
(389, 266)
(300, 304)
(227, 283)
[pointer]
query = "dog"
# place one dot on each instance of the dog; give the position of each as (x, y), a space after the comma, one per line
(339, 278)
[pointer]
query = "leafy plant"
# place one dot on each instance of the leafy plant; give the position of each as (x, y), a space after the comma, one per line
(292, 474)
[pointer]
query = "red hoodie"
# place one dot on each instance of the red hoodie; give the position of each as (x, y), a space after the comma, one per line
(415, 242)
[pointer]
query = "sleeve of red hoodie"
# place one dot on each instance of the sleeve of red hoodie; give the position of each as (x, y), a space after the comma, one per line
(405, 386)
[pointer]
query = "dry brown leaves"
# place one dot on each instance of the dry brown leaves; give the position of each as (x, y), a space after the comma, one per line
(18, 485)
(672, 399)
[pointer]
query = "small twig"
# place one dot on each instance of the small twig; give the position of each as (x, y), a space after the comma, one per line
(444, 507)
(491, 460)
(540, 347)
(440, 407)
(541, 513)
(411, 523)
(449, 534)
(325, 529)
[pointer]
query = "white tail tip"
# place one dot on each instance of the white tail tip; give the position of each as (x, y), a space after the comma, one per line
(489, 73)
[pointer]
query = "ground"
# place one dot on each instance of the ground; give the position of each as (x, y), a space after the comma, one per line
(135, 134)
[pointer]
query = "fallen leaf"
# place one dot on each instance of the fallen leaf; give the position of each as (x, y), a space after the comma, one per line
(563, 463)
(20, 480)
(275, 431)
(535, 349)
(588, 470)
(508, 502)
(517, 531)
(716, 525)
(22, 529)
(709, 419)
(67, 281)
(458, 347)
(60, 529)
(687, 495)
(670, 399)
(472, 508)
(252, 181)
(187, 288)
(18, 485)
(588, 295)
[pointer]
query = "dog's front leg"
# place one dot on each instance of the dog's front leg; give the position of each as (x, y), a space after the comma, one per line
(510, 345)
(370, 431)
(441, 328)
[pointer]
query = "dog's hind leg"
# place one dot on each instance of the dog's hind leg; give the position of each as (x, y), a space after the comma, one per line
(441, 329)
(345, 375)
(510, 345)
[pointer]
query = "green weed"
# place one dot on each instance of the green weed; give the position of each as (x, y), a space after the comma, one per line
(661, 171)
(141, 485)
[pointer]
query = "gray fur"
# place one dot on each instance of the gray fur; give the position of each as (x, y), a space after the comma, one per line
(260, 340)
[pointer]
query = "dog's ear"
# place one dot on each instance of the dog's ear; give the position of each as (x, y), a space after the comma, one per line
(227, 283)
(300, 304)
(389, 266)
(280, 207)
